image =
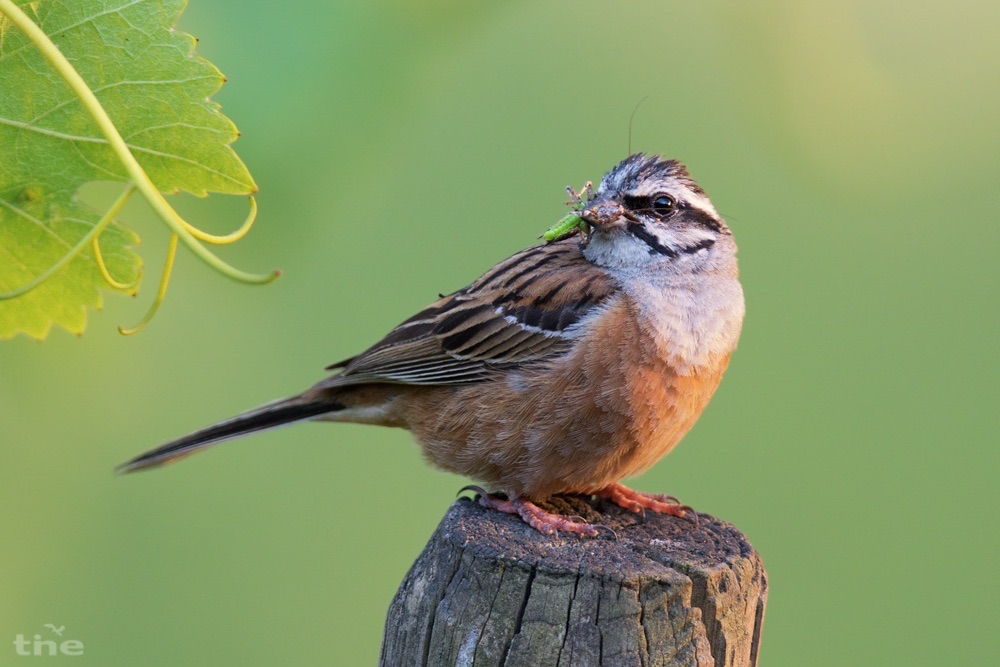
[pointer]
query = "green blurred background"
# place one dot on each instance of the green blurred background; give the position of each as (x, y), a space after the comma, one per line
(401, 149)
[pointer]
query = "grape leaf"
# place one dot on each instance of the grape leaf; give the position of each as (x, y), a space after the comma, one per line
(155, 92)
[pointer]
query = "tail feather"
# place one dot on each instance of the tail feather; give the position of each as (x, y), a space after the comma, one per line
(286, 411)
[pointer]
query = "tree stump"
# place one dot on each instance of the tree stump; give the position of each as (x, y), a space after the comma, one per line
(490, 591)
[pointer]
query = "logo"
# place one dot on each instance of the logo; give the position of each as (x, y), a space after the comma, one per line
(37, 645)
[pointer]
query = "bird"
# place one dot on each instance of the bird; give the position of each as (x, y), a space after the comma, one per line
(564, 368)
(54, 629)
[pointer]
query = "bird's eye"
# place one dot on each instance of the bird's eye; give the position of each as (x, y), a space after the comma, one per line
(663, 204)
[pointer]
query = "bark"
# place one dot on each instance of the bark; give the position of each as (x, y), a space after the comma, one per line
(490, 591)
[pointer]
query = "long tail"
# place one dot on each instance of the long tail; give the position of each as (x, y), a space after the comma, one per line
(285, 411)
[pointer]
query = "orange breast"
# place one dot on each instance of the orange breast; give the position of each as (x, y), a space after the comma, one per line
(609, 409)
(666, 406)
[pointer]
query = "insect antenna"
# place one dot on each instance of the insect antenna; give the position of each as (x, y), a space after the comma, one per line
(630, 119)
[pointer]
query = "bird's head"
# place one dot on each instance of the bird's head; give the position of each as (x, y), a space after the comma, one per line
(649, 213)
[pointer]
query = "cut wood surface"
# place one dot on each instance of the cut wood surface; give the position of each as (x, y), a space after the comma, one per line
(490, 591)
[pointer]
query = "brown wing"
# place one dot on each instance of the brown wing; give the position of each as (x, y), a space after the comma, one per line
(525, 309)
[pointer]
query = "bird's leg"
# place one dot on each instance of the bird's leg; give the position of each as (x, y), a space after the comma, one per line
(637, 501)
(536, 517)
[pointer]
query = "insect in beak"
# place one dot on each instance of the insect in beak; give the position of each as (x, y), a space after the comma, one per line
(604, 214)
(569, 224)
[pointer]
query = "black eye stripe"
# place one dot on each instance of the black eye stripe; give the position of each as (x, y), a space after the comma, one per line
(695, 215)
(704, 219)
(700, 245)
(657, 248)
(635, 203)
(649, 239)
(659, 204)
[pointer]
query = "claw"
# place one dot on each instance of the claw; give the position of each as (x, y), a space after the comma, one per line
(690, 514)
(544, 522)
(611, 530)
(480, 491)
(636, 501)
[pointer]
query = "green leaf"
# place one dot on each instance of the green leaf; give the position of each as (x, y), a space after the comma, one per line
(155, 93)
(36, 230)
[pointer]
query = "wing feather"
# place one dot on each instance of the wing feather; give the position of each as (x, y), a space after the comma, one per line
(524, 310)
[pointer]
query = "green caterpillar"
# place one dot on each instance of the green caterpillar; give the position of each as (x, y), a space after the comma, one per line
(571, 222)
(567, 225)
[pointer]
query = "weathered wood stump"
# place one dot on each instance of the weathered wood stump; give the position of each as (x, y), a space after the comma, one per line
(490, 591)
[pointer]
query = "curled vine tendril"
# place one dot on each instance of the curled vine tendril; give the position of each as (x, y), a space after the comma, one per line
(160, 293)
(138, 180)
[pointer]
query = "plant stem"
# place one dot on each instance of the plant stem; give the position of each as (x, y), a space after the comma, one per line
(75, 250)
(141, 181)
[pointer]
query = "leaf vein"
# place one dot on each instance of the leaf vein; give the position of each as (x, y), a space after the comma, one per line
(88, 19)
(132, 147)
(114, 84)
(48, 230)
(189, 126)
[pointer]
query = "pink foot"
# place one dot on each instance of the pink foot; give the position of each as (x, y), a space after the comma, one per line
(535, 516)
(636, 501)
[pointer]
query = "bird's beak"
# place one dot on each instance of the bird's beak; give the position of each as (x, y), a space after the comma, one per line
(604, 214)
